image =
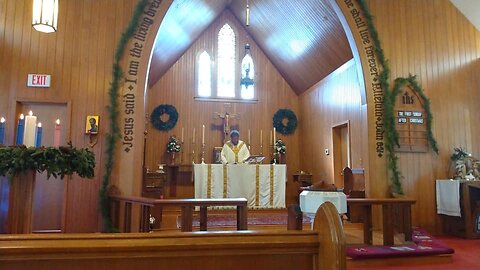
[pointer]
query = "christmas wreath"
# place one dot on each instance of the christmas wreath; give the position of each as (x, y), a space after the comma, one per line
(288, 127)
(158, 123)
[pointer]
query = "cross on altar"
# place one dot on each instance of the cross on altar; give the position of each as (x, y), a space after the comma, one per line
(227, 117)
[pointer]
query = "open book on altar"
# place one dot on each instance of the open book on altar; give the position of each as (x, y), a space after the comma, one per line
(254, 159)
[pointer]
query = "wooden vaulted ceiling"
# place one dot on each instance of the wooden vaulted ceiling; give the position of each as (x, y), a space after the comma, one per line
(303, 39)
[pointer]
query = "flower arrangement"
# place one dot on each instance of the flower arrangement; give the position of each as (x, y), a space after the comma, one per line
(280, 147)
(173, 145)
(464, 165)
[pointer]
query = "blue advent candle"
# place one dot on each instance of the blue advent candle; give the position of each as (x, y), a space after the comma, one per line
(38, 136)
(2, 130)
(20, 130)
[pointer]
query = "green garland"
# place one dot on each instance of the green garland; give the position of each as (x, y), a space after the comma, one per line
(114, 130)
(155, 117)
(292, 121)
(65, 160)
(391, 134)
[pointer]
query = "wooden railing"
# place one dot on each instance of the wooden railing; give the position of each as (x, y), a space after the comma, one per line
(186, 205)
(395, 211)
(321, 248)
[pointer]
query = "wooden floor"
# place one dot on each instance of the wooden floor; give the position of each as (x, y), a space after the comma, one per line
(353, 232)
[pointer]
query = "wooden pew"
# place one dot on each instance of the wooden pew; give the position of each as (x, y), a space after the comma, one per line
(396, 212)
(186, 205)
(321, 248)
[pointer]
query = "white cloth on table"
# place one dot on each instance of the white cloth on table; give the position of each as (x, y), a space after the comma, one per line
(311, 200)
(448, 197)
(241, 182)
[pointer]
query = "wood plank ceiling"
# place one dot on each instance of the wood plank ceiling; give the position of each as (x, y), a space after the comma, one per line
(303, 39)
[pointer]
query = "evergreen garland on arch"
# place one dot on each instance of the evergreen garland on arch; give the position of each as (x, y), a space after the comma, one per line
(158, 123)
(391, 134)
(114, 130)
(292, 121)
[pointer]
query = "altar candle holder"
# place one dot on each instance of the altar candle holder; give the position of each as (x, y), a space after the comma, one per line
(193, 152)
(203, 153)
(181, 152)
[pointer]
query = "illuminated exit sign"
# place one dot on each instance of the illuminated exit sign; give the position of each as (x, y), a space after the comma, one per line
(38, 80)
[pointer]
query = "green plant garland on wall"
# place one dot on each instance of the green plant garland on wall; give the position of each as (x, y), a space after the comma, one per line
(391, 134)
(114, 130)
(291, 124)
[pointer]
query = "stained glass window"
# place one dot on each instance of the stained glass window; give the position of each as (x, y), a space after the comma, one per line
(204, 82)
(247, 79)
(226, 62)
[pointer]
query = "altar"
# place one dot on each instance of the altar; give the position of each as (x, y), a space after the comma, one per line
(262, 185)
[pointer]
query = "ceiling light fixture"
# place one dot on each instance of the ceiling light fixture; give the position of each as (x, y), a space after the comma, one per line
(247, 15)
(45, 14)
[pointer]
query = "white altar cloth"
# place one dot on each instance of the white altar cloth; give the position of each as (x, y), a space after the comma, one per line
(311, 200)
(262, 185)
(448, 197)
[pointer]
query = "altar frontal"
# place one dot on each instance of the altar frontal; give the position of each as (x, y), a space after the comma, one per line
(262, 185)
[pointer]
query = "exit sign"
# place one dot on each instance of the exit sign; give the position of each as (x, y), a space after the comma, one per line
(38, 80)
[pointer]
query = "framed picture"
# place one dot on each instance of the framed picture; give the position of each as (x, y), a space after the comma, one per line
(217, 158)
(91, 125)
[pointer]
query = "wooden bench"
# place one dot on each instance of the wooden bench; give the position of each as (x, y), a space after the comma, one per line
(321, 248)
(186, 205)
(403, 218)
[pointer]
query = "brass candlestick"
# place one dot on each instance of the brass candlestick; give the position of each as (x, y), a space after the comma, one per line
(193, 152)
(203, 153)
(181, 153)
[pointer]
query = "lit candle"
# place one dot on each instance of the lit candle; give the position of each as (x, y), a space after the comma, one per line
(203, 134)
(249, 137)
(274, 135)
(56, 133)
(20, 130)
(2, 130)
(261, 138)
(30, 130)
(182, 134)
(193, 138)
(38, 137)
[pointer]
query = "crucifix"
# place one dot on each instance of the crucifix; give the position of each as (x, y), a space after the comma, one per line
(227, 117)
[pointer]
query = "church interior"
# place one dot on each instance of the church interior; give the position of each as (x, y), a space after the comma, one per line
(368, 105)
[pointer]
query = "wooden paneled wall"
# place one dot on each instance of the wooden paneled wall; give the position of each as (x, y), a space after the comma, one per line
(79, 57)
(177, 87)
(433, 40)
(334, 100)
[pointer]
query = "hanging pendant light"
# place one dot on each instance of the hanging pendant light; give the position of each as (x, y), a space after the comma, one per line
(45, 14)
(247, 15)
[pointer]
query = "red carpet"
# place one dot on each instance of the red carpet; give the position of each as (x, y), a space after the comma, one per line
(423, 245)
(253, 219)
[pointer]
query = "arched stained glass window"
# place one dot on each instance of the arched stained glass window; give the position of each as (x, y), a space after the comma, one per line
(247, 90)
(226, 62)
(204, 81)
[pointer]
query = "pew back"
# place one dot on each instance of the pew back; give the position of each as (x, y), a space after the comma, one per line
(322, 248)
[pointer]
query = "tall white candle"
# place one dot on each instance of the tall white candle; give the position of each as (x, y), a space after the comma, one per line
(193, 138)
(261, 138)
(249, 137)
(203, 134)
(274, 135)
(182, 135)
(30, 130)
(56, 133)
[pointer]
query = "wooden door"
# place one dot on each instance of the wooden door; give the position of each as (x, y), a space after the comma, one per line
(341, 151)
(49, 198)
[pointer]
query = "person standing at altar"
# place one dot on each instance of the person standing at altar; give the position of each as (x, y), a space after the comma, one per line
(234, 151)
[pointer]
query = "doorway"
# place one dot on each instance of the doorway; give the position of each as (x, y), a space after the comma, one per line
(341, 151)
(49, 198)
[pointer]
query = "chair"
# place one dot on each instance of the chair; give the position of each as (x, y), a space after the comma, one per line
(353, 187)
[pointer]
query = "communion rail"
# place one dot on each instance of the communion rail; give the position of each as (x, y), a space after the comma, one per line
(186, 205)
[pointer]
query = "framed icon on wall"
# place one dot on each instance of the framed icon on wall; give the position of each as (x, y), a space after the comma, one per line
(92, 124)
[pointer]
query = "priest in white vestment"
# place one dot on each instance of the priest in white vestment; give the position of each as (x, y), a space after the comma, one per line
(235, 150)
